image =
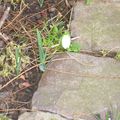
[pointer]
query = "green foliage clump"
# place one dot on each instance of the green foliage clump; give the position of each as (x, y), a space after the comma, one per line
(54, 35)
(8, 58)
(41, 2)
(50, 41)
(53, 39)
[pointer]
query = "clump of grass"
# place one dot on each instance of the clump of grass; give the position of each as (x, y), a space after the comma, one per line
(13, 59)
(50, 41)
(54, 37)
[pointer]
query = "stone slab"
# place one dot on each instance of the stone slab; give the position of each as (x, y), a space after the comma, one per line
(78, 85)
(38, 115)
(97, 25)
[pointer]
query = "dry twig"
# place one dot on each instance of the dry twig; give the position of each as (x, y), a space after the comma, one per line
(4, 36)
(18, 76)
(4, 17)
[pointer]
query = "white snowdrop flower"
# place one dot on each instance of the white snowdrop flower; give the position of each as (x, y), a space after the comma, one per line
(66, 41)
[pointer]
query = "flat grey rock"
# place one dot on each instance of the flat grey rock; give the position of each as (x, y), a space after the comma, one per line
(78, 85)
(38, 115)
(97, 25)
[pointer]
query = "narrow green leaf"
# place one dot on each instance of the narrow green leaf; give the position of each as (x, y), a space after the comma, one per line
(41, 2)
(18, 60)
(42, 54)
(107, 116)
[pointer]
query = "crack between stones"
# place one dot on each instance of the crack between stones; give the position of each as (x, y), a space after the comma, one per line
(55, 113)
(110, 54)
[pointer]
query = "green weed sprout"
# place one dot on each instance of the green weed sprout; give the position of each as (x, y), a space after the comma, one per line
(18, 59)
(41, 2)
(42, 54)
(53, 36)
(55, 39)
(51, 43)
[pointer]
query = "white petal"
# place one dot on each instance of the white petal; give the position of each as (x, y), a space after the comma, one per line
(66, 41)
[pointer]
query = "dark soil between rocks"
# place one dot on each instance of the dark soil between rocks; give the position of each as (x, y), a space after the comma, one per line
(16, 97)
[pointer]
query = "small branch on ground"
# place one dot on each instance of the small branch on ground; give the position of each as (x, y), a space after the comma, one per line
(67, 3)
(4, 17)
(4, 36)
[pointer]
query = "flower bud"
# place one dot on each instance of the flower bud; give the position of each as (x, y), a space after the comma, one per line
(66, 41)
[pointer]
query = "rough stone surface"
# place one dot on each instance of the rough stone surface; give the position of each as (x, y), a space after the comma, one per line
(97, 25)
(40, 116)
(75, 85)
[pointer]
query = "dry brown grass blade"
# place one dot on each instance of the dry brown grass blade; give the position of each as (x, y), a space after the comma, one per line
(15, 17)
(4, 17)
